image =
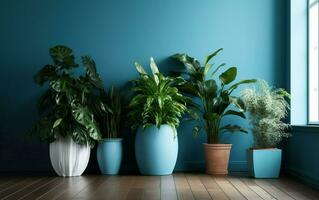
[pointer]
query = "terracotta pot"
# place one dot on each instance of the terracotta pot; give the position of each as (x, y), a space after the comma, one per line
(217, 157)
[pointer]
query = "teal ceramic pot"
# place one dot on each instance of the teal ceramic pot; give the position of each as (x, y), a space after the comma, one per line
(156, 150)
(264, 163)
(109, 155)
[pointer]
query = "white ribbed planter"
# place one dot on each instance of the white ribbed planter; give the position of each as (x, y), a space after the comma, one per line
(69, 158)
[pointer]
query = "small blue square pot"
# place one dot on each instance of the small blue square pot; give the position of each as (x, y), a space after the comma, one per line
(264, 163)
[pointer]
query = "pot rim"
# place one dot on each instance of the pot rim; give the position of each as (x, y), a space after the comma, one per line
(217, 145)
(111, 140)
(264, 149)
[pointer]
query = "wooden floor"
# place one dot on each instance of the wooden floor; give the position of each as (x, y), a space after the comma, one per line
(177, 186)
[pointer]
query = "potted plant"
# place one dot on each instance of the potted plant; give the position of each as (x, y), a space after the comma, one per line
(155, 111)
(267, 107)
(66, 121)
(108, 107)
(215, 102)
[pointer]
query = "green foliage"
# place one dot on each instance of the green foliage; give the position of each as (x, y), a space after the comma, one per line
(215, 100)
(63, 108)
(267, 107)
(108, 110)
(156, 99)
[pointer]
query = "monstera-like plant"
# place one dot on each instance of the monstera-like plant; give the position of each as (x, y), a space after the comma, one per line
(66, 120)
(216, 98)
(156, 109)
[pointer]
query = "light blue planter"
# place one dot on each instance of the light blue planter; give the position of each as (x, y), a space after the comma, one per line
(264, 163)
(156, 150)
(109, 155)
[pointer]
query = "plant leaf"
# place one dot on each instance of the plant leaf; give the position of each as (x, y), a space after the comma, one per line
(233, 128)
(209, 57)
(57, 122)
(140, 69)
(90, 66)
(196, 130)
(233, 112)
(45, 74)
(215, 71)
(228, 76)
(247, 81)
(154, 69)
(63, 57)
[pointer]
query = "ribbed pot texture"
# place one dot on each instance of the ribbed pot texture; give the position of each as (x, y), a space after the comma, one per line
(217, 158)
(69, 158)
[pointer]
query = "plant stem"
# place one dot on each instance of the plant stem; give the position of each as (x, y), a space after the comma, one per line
(212, 130)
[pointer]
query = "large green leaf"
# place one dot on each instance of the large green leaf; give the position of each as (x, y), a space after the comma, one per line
(210, 88)
(209, 57)
(58, 84)
(84, 117)
(233, 112)
(140, 69)
(207, 68)
(238, 102)
(217, 68)
(228, 76)
(47, 73)
(233, 87)
(154, 69)
(233, 128)
(211, 116)
(90, 67)
(63, 57)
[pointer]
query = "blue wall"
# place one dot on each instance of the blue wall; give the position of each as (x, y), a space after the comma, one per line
(301, 157)
(116, 33)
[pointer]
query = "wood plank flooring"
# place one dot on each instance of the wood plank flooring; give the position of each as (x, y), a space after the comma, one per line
(184, 186)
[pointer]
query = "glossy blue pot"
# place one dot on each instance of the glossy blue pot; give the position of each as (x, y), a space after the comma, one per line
(264, 163)
(109, 155)
(156, 150)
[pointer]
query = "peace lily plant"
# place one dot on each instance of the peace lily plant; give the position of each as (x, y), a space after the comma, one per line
(156, 109)
(157, 100)
(215, 99)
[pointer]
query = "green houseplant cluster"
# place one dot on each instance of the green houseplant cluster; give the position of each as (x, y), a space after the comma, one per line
(78, 107)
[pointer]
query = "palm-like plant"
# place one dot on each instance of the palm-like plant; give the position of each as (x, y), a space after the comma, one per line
(156, 100)
(108, 110)
(63, 108)
(215, 101)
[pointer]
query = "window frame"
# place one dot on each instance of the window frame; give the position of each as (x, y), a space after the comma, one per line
(309, 5)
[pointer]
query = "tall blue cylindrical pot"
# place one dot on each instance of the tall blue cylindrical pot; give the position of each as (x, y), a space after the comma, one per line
(109, 155)
(156, 150)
